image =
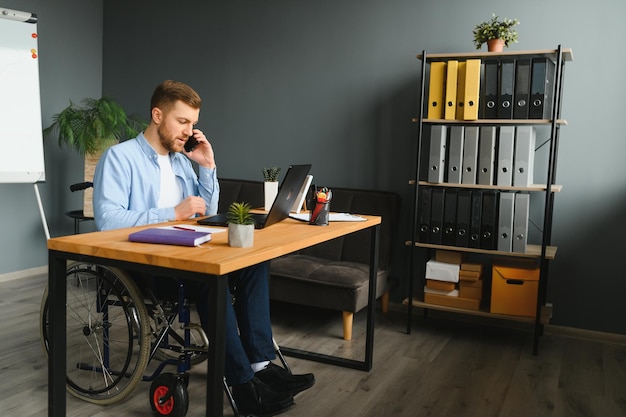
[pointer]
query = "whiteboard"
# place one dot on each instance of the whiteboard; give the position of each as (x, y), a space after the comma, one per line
(21, 138)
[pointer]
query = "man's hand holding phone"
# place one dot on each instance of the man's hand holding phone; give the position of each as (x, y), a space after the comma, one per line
(198, 149)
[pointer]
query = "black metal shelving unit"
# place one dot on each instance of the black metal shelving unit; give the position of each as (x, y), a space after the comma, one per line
(544, 253)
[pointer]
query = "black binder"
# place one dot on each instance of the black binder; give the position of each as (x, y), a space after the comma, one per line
(489, 99)
(522, 89)
(475, 219)
(463, 216)
(449, 217)
(423, 225)
(436, 216)
(541, 89)
(505, 93)
(489, 221)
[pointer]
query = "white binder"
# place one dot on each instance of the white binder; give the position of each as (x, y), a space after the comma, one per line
(455, 155)
(437, 156)
(470, 155)
(506, 145)
(486, 155)
(505, 222)
(520, 222)
(524, 156)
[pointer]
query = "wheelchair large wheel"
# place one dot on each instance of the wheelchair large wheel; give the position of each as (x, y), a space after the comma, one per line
(108, 335)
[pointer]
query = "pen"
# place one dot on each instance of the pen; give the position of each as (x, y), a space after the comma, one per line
(184, 228)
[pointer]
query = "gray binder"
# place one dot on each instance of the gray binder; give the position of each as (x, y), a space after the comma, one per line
(506, 144)
(437, 156)
(455, 154)
(470, 155)
(520, 222)
(486, 155)
(524, 156)
(505, 222)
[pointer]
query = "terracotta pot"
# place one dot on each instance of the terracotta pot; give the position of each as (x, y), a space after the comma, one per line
(495, 45)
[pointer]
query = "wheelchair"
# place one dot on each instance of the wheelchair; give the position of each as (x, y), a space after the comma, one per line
(114, 331)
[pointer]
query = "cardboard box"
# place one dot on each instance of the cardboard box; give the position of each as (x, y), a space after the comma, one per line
(471, 289)
(440, 285)
(469, 275)
(453, 293)
(514, 290)
(448, 256)
(466, 266)
(442, 271)
(457, 302)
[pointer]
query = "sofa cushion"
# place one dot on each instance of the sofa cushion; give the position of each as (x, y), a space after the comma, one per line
(323, 271)
(319, 282)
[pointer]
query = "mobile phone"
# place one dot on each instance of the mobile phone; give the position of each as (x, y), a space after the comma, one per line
(191, 143)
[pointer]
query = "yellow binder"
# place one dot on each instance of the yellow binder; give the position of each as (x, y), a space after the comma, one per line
(472, 89)
(436, 90)
(460, 92)
(450, 95)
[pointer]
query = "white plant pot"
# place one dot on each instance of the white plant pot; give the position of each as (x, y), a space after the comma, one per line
(240, 235)
(271, 191)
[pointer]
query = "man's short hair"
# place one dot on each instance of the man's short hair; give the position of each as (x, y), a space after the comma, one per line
(169, 92)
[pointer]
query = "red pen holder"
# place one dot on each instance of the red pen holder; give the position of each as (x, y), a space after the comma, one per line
(320, 213)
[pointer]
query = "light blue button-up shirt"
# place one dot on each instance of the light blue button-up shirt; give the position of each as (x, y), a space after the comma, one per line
(127, 181)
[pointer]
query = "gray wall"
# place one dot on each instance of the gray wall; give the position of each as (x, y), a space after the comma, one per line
(335, 83)
(70, 67)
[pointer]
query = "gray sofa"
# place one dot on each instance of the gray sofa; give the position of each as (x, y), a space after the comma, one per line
(333, 275)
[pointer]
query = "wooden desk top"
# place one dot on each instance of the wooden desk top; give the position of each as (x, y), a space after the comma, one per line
(214, 257)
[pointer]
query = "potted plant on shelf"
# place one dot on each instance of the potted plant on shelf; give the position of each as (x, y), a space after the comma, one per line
(270, 186)
(496, 33)
(240, 225)
(90, 129)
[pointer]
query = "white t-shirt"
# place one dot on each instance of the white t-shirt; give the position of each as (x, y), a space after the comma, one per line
(171, 193)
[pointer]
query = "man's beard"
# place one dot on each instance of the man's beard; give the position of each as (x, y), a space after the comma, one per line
(167, 140)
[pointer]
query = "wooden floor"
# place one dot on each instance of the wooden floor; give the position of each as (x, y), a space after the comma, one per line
(448, 366)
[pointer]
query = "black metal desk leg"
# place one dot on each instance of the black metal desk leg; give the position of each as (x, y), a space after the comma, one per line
(56, 336)
(371, 304)
(217, 336)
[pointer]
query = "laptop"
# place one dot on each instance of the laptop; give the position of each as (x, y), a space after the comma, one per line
(284, 202)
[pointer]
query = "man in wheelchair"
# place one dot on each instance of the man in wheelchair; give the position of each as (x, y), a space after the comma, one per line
(147, 180)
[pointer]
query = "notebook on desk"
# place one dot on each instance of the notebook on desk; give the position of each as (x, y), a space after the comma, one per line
(287, 194)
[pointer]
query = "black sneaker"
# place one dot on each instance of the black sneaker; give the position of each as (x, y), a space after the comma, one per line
(282, 380)
(258, 399)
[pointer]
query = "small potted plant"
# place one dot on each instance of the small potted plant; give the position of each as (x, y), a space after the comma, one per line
(270, 186)
(496, 33)
(90, 129)
(240, 225)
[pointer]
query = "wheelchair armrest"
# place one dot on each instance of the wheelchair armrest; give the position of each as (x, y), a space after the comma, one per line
(80, 186)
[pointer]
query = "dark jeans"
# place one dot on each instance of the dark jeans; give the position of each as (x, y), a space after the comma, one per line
(248, 325)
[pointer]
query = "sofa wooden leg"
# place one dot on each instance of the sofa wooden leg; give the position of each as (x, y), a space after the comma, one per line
(348, 317)
(384, 302)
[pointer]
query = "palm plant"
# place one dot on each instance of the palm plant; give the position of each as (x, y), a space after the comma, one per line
(95, 126)
(90, 129)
